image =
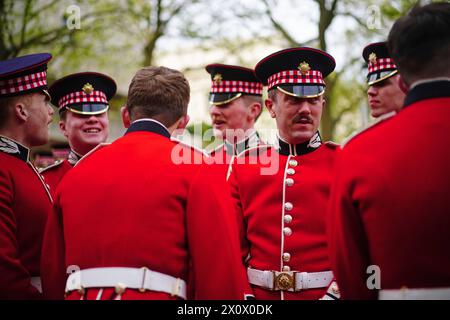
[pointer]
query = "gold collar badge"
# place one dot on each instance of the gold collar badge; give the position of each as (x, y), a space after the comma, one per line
(304, 67)
(88, 88)
(373, 57)
(217, 78)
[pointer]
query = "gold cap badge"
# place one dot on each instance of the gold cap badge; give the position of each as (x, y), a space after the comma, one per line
(304, 67)
(217, 78)
(88, 88)
(373, 57)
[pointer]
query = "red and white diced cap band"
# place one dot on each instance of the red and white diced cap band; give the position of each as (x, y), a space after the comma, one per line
(381, 64)
(82, 97)
(295, 77)
(23, 83)
(230, 86)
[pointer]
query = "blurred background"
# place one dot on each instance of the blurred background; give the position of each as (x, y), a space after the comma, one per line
(120, 37)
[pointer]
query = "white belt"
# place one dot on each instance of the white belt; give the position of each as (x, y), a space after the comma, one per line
(123, 278)
(36, 282)
(415, 294)
(289, 280)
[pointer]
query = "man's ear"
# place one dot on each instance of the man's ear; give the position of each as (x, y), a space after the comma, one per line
(62, 127)
(402, 84)
(21, 111)
(255, 110)
(269, 105)
(126, 120)
(183, 122)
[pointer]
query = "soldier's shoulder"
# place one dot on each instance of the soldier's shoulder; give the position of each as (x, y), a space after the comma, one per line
(90, 153)
(212, 151)
(357, 134)
(190, 146)
(256, 150)
(331, 144)
(52, 167)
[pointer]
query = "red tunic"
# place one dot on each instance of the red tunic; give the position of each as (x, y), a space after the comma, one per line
(259, 187)
(391, 204)
(54, 173)
(132, 204)
(24, 206)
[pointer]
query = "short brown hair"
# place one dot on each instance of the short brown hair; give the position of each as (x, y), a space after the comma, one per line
(419, 42)
(159, 93)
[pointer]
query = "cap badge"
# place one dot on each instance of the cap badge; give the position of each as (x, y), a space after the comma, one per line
(304, 67)
(88, 88)
(373, 57)
(217, 78)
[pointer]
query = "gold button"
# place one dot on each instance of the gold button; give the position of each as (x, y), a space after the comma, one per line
(288, 206)
(289, 182)
(287, 218)
(287, 231)
(286, 268)
(286, 257)
(290, 171)
(293, 163)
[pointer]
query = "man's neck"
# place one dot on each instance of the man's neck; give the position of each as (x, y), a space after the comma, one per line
(15, 135)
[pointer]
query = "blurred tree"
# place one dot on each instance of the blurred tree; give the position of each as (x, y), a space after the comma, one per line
(370, 17)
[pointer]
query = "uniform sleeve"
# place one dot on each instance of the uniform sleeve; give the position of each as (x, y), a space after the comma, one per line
(53, 270)
(233, 187)
(15, 281)
(217, 270)
(348, 247)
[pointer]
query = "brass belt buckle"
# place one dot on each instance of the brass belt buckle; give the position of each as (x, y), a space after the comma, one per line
(284, 281)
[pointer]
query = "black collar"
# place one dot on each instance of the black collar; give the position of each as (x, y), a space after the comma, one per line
(287, 149)
(235, 149)
(73, 157)
(14, 148)
(150, 126)
(428, 90)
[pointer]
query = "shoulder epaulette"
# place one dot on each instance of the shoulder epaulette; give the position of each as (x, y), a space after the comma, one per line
(54, 165)
(190, 146)
(98, 147)
(381, 119)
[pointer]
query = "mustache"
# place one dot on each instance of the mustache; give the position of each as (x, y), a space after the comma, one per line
(299, 117)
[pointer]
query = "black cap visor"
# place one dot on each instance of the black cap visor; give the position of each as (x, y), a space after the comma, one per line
(88, 108)
(380, 76)
(302, 91)
(223, 98)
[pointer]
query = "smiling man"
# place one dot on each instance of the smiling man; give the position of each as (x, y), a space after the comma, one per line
(282, 215)
(82, 99)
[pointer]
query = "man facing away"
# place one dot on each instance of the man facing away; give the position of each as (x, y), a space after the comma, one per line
(25, 201)
(134, 221)
(390, 217)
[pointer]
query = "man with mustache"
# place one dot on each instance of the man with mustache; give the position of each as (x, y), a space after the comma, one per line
(385, 96)
(82, 99)
(25, 201)
(235, 98)
(282, 212)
